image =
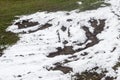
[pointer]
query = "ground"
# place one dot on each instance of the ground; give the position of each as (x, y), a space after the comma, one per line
(67, 45)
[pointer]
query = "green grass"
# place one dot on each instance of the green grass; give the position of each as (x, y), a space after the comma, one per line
(11, 8)
(92, 4)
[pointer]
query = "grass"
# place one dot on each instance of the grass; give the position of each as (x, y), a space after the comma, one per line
(11, 8)
(92, 4)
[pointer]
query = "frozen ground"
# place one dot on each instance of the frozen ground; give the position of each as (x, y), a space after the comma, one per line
(59, 45)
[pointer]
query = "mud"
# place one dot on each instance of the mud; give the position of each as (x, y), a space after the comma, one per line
(26, 24)
(64, 69)
(98, 28)
(45, 26)
(65, 51)
(89, 76)
(63, 28)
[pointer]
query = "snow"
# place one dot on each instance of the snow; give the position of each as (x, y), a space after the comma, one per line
(28, 57)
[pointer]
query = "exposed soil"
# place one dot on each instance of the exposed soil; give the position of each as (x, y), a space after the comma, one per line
(64, 69)
(59, 39)
(113, 49)
(90, 36)
(69, 50)
(69, 20)
(115, 67)
(65, 42)
(45, 26)
(63, 28)
(84, 54)
(98, 28)
(109, 78)
(65, 51)
(89, 76)
(26, 24)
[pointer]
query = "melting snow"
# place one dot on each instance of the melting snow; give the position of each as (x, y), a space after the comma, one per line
(28, 58)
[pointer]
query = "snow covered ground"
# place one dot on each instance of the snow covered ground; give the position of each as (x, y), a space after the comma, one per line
(58, 45)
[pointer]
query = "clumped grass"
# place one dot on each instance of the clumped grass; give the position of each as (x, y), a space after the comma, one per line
(11, 8)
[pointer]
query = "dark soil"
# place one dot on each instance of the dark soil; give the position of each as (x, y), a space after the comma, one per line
(65, 51)
(115, 67)
(69, 20)
(45, 26)
(113, 49)
(109, 78)
(63, 28)
(91, 37)
(89, 76)
(69, 50)
(65, 42)
(26, 24)
(64, 69)
(84, 54)
(98, 28)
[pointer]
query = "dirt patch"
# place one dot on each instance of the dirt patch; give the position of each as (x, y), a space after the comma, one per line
(65, 42)
(98, 28)
(115, 67)
(90, 36)
(65, 51)
(59, 39)
(63, 28)
(64, 69)
(109, 78)
(69, 20)
(84, 54)
(93, 75)
(67, 13)
(19, 75)
(45, 26)
(26, 24)
(89, 76)
(113, 49)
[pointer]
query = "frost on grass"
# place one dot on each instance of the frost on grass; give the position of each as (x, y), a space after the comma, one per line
(65, 46)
